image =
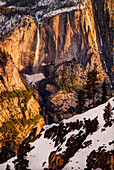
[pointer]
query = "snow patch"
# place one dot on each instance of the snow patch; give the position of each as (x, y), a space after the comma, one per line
(53, 13)
(2, 3)
(10, 163)
(32, 79)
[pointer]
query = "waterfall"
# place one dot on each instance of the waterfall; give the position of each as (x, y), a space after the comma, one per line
(35, 65)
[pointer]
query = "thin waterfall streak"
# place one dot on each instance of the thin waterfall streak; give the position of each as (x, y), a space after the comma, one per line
(37, 52)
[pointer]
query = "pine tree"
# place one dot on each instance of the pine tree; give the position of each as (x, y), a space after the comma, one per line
(107, 113)
(81, 101)
(91, 85)
(104, 91)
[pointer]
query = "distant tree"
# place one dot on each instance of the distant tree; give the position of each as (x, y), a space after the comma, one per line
(91, 85)
(107, 113)
(104, 91)
(81, 101)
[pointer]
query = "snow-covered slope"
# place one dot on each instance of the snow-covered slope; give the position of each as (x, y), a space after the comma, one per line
(71, 138)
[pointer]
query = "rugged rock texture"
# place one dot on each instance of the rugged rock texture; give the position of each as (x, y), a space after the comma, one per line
(19, 111)
(71, 35)
(74, 39)
(77, 34)
(21, 44)
(73, 144)
(81, 142)
(80, 38)
(101, 159)
(103, 17)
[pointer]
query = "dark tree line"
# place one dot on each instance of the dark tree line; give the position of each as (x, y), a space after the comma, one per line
(90, 90)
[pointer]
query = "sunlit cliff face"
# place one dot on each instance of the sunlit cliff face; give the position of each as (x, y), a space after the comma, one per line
(21, 44)
(19, 110)
(63, 36)
(40, 37)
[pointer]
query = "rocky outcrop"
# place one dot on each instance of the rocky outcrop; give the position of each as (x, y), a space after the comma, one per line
(73, 144)
(19, 111)
(76, 38)
(101, 159)
(70, 38)
(21, 44)
(71, 35)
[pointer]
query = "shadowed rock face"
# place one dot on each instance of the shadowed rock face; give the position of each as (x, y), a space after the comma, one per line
(103, 17)
(82, 35)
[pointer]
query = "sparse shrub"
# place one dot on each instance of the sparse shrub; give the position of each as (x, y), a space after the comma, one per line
(3, 57)
(98, 102)
(71, 109)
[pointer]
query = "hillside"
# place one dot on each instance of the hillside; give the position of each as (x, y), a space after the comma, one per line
(19, 110)
(83, 141)
(56, 62)
(65, 35)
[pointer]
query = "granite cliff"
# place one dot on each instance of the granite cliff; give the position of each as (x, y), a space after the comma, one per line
(51, 40)
(80, 39)
(19, 110)
(21, 44)
(83, 34)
